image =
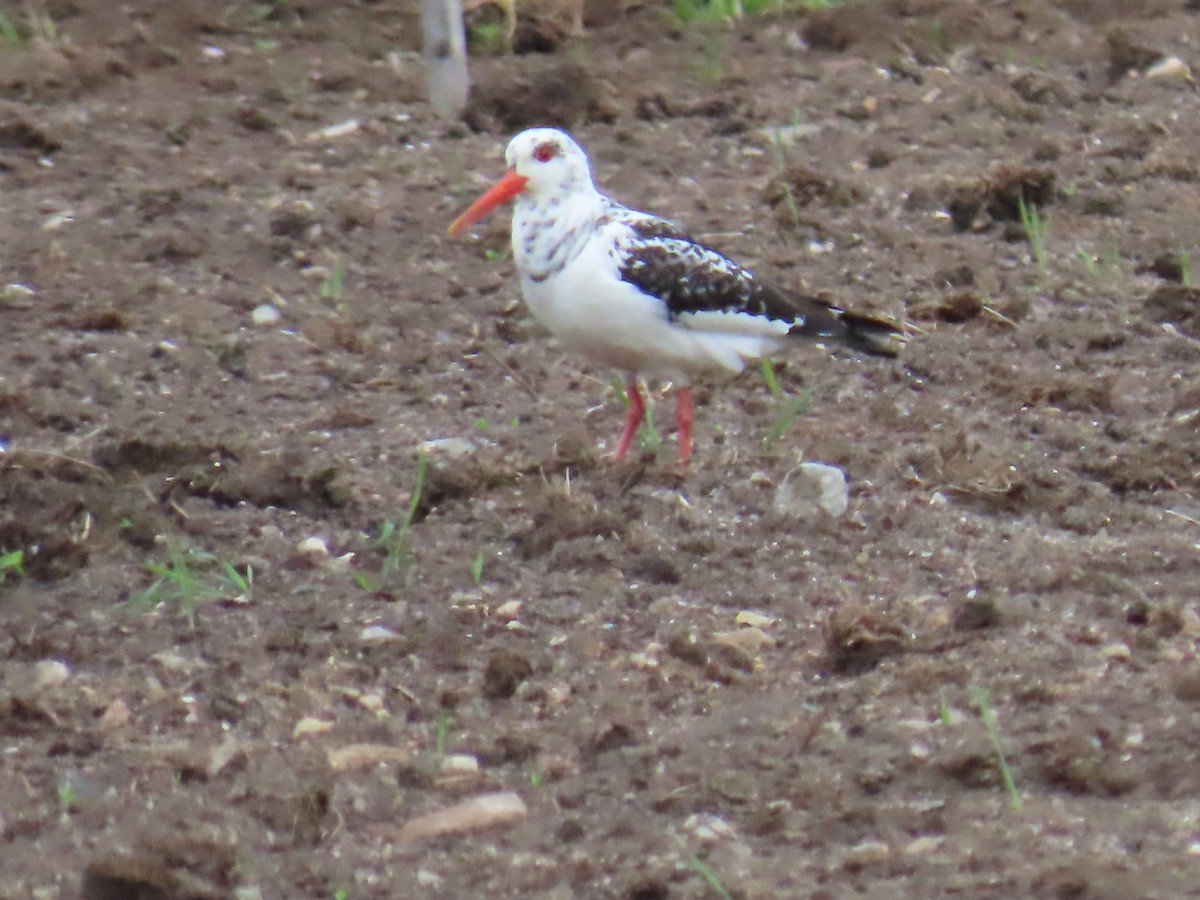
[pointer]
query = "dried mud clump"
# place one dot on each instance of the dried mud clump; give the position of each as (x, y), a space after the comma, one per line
(858, 638)
(801, 186)
(504, 673)
(1177, 305)
(560, 94)
(1000, 195)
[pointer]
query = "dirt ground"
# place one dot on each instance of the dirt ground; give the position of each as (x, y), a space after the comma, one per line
(233, 317)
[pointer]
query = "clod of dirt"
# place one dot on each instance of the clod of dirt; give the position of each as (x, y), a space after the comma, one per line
(1009, 185)
(954, 309)
(560, 94)
(128, 878)
(20, 134)
(685, 646)
(562, 518)
(1000, 194)
(1126, 53)
(504, 673)
(1177, 304)
(651, 568)
(649, 889)
(857, 638)
(289, 480)
(1167, 266)
(612, 738)
(975, 614)
(1043, 89)
(1081, 764)
(800, 186)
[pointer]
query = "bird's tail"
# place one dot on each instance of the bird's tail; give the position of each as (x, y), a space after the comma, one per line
(859, 331)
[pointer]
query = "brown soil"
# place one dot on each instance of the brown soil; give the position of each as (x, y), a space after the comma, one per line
(1023, 519)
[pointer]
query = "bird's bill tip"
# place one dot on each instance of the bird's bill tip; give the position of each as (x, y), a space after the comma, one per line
(509, 185)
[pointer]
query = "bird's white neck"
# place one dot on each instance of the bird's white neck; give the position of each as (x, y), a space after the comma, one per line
(549, 231)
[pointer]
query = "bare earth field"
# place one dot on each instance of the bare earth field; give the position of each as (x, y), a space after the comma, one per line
(234, 317)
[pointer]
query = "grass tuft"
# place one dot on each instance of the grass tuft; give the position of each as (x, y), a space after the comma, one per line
(190, 577)
(701, 868)
(1036, 228)
(981, 698)
(393, 541)
(790, 405)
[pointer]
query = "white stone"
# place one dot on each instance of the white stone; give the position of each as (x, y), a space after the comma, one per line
(812, 489)
(265, 314)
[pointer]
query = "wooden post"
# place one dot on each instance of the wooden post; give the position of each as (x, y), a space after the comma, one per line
(445, 55)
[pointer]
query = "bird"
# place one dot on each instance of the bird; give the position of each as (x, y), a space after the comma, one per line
(635, 292)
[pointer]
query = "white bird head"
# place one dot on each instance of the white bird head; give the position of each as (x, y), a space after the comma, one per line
(543, 163)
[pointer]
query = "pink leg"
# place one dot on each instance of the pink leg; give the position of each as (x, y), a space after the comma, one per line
(633, 416)
(685, 415)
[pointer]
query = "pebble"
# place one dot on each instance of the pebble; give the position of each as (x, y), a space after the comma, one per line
(500, 810)
(117, 715)
(1171, 67)
(812, 489)
(708, 829)
(50, 673)
(365, 756)
(309, 725)
(448, 448)
(313, 547)
(265, 314)
(867, 853)
(378, 633)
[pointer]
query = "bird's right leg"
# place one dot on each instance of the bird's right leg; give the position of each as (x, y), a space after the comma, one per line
(634, 415)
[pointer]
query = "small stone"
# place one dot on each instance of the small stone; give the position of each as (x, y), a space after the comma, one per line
(708, 829)
(313, 547)
(378, 634)
(748, 640)
(812, 489)
(309, 726)
(1171, 67)
(866, 854)
(116, 716)
(460, 764)
(50, 673)
(364, 756)
(1119, 652)
(265, 314)
(448, 448)
(458, 770)
(509, 610)
(754, 619)
(923, 845)
(500, 810)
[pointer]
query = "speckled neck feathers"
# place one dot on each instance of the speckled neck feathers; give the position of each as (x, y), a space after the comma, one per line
(550, 230)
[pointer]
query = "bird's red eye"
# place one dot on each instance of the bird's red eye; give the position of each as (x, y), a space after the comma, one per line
(545, 152)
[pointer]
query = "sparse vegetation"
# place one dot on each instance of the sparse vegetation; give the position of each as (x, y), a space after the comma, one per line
(703, 869)
(190, 577)
(334, 285)
(393, 541)
(790, 405)
(1035, 227)
(11, 565)
(981, 698)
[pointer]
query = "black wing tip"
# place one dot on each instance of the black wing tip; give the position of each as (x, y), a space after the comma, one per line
(873, 335)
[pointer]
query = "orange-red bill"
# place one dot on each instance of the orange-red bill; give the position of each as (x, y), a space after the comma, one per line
(506, 188)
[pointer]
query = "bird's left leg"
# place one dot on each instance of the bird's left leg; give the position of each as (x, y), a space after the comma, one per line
(633, 416)
(685, 416)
